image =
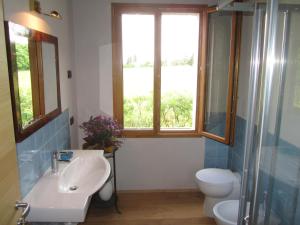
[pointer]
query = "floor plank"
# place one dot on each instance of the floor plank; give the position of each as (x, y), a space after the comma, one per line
(152, 208)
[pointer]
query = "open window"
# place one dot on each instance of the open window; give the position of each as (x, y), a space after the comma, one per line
(172, 76)
(221, 73)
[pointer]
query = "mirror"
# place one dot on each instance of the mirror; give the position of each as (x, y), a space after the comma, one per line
(34, 78)
(49, 72)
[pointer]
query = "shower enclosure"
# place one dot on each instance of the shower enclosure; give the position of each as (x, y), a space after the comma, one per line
(271, 170)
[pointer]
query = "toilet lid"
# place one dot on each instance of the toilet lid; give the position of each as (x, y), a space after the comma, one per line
(215, 175)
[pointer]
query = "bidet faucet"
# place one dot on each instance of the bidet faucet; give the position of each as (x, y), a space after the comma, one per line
(54, 162)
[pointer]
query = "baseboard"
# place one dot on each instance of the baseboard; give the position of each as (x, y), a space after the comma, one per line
(191, 190)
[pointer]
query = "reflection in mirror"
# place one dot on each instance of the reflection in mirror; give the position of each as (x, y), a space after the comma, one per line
(34, 78)
(218, 72)
(49, 72)
(20, 44)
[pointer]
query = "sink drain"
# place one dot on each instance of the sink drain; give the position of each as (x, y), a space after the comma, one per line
(73, 188)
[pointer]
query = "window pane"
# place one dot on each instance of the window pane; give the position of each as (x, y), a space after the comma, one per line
(179, 69)
(138, 70)
(218, 55)
(19, 36)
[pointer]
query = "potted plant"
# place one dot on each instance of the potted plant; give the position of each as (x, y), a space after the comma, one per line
(102, 132)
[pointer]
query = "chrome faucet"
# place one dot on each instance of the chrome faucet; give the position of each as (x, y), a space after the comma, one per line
(54, 162)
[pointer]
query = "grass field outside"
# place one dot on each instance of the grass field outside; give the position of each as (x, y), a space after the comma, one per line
(178, 97)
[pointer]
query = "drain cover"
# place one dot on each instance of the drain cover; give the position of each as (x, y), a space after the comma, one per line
(73, 188)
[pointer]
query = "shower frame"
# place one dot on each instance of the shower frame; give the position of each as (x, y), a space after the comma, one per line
(262, 74)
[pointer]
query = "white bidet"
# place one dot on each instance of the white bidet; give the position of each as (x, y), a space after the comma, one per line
(226, 213)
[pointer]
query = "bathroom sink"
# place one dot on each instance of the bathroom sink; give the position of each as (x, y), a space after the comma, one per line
(65, 196)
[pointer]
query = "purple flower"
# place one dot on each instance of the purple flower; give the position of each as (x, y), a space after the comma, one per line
(102, 130)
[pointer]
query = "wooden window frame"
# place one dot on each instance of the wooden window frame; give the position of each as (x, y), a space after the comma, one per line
(233, 72)
(117, 70)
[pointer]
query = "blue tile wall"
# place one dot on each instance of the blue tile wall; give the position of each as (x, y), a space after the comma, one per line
(216, 154)
(236, 152)
(34, 153)
(286, 182)
(285, 192)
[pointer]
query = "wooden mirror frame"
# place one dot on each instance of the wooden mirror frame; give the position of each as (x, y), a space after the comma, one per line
(38, 37)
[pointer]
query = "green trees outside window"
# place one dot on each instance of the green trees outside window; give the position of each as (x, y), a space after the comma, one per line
(24, 77)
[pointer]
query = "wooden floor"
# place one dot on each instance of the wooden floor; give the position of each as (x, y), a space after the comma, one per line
(152, 208)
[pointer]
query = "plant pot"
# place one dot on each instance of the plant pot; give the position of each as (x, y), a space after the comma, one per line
(109, 149)
(87, 146)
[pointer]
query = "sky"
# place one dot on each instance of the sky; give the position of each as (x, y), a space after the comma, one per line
(180, 34)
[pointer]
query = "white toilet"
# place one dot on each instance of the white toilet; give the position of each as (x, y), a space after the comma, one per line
(217, 185)
(226, 213)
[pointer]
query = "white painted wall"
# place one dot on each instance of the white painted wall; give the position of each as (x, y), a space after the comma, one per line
(290, 114)
(142, 163)
(289, 130)
(18, 11)
(159, 163)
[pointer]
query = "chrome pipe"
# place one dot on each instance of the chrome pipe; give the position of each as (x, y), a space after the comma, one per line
(54, 162)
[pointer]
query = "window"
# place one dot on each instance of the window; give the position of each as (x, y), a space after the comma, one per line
(219, 109)
(138, 70)
(158, 53)
(179, 71)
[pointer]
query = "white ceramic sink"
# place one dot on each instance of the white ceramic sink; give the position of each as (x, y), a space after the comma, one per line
(52, 200)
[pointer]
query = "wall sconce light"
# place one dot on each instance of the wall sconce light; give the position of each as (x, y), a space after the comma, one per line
(36, 7)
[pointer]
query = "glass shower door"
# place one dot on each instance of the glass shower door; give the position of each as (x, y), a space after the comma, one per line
(275, 197)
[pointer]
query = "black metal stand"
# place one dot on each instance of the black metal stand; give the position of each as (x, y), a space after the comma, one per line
(99, 203)
(115, 194)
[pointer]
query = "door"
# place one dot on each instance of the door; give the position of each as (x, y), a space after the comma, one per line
(9, 185)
